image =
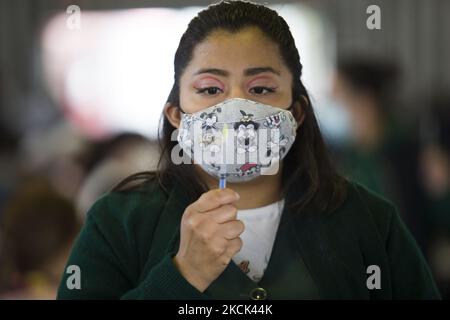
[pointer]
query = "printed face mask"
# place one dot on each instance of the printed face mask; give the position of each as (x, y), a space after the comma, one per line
(238, 139)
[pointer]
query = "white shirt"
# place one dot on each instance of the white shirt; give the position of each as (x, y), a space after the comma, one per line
(261, 225)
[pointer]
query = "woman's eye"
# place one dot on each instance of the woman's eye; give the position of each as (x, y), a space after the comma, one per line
(261, 90)
(209, 91)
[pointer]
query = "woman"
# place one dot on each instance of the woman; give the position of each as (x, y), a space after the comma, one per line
(299, 232)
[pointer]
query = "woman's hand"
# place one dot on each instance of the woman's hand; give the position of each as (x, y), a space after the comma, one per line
(209, 237)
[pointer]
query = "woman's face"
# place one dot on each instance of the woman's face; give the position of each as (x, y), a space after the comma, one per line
(241, 65)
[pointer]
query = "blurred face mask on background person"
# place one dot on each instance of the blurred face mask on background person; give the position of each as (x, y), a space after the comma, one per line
(239, 139)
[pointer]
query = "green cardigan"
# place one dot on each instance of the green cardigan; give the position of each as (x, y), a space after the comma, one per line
(125, 250)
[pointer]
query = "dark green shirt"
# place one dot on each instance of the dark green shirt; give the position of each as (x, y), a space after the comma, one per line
(125, 251)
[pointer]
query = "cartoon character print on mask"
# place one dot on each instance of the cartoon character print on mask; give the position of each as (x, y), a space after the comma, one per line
(210, 118)
(248, 169)
(211, 137)
(274, 121)
(245, 133)
(246, 140)
(185, 135)
(276, 146)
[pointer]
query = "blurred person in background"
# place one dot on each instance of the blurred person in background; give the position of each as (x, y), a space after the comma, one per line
(81, 168)
(435, 174)
(38, 228)
(108, 162)
(53, 152)
(380, 154)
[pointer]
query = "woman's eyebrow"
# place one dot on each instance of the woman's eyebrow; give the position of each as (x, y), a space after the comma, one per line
(247, 72)
(215, 71)
(258, 70)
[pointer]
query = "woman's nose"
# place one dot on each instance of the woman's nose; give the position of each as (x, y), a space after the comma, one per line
(237, 92)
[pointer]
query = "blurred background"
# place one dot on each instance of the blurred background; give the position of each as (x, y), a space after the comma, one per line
(81, 93)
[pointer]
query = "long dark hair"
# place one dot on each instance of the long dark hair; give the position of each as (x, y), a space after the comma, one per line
(306, 168)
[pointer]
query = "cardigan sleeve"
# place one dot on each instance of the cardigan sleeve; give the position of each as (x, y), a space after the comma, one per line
(105, 263)
(410, 275)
